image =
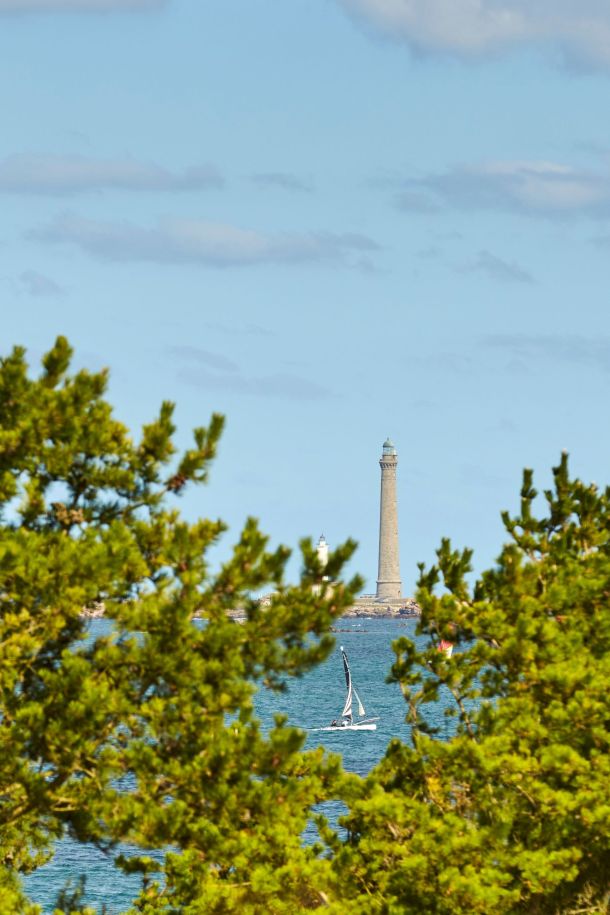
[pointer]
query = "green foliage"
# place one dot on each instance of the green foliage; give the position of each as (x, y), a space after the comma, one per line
(147, 735)
(146, 738)
(512, 814)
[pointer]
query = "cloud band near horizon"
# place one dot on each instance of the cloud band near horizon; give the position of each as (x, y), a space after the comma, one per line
(184, 241)
(68, 175)
(532, 188)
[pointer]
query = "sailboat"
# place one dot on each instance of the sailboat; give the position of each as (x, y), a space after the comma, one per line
(346, 722)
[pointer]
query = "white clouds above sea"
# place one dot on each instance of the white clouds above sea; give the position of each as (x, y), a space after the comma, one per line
(533, 188)
(184, 241)
(579, 29)
(65, 175)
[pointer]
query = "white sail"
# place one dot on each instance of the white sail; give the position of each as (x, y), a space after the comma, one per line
(347, 708)
(347, 723)
(361, 709)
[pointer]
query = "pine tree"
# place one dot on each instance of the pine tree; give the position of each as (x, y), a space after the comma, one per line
(512, 814)
(146, 735)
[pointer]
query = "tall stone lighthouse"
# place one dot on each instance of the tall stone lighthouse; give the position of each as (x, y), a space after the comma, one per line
(389, 585)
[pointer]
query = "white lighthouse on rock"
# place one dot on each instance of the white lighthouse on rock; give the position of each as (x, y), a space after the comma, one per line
(322, 549)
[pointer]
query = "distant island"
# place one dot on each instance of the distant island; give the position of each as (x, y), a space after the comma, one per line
(369, 605)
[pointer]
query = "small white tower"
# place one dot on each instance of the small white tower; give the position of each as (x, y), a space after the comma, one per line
(322, 550)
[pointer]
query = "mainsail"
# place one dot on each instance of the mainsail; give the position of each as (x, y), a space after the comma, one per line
(351, 692)
(347, 708)
(346, 722)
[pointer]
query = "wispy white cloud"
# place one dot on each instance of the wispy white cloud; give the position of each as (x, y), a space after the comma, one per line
(442, 362)
(248, 330)
(215, 372)
(180, 241)
(278, 384)
(535, 188)
(283, 180)
(194, 354)
(37, 284)
(602, 240)
(579, 29)
(563, 349)
(498, 269)
(416, 202)
(429, 253)
(80, 6)
(63, 175)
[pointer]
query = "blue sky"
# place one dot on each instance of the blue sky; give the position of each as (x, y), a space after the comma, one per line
(334, 221)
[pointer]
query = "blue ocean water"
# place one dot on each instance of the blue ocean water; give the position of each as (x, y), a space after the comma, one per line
(310, 702)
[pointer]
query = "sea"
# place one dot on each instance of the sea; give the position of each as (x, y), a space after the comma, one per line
(311, 702)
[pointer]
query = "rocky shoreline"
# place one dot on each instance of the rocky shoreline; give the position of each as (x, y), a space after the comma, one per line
(396, 609)
(363, 607)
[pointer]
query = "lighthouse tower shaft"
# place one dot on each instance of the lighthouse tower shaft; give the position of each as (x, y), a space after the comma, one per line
(389, 585)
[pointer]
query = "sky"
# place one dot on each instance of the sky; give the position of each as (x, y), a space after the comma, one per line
(333, 221)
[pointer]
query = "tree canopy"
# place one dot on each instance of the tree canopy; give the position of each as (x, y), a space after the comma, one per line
(512, 814)
(146, 738)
